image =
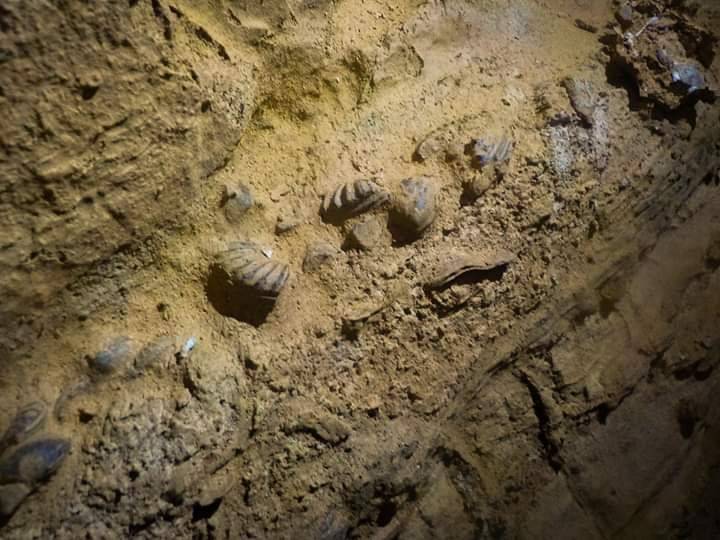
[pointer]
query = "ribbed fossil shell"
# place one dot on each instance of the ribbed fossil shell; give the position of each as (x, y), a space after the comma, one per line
(353, 198)
(485, 151)
(247, 264)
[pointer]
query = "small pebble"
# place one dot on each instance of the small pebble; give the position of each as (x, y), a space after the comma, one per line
(365, 235)
(286, 223)
(187, 348)
(318, 254)
(624, 16)
(237, 201)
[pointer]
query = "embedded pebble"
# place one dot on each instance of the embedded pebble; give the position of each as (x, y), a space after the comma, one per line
(286, 222)
(237, 201)
(113, 357)
(582, 98)
(26, 421)
(479, 183)
(318, 254)
(188, 347)
(415, 208)
(624, 16)
(430, 146)
(365, 235)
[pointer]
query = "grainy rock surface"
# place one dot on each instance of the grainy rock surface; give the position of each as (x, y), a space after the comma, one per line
(570, 395)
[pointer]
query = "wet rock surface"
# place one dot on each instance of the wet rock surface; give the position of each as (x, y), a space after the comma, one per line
(541, 361)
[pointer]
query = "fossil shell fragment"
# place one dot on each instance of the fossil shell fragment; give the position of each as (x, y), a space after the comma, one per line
(353, 198)
(461, 263)
(114, 357)
(35, 461)
(248, 264)
(484, 151)
(27, 420)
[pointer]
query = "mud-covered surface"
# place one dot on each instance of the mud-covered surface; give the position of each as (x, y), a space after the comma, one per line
(510, 332)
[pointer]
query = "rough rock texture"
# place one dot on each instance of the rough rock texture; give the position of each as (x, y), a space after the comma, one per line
(113, 114)
(570, 395)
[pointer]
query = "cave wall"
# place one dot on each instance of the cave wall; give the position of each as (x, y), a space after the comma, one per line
(571, 395)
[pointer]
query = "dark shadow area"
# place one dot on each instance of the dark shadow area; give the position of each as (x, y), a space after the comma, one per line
(235, 300)
(401, 235)
(620, 74)
(200, 512)
(468, 196)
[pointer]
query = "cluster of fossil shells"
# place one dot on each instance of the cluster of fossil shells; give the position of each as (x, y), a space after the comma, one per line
(412, 210)
(27, 459)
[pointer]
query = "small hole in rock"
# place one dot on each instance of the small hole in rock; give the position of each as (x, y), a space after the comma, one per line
(235, 300)
(85, 417)
(88, 92)
(200, 512)
(387, 512)
(603, 411)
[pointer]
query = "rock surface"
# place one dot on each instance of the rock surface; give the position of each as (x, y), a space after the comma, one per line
(572, 395)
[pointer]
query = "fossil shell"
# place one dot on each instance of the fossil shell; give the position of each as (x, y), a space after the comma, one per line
(461, 263)
(237, 200)
(415, 208)
(485, 152)
(353, 198)
(249, 265)
(113, 357)
(27, 420)
(34, 461)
